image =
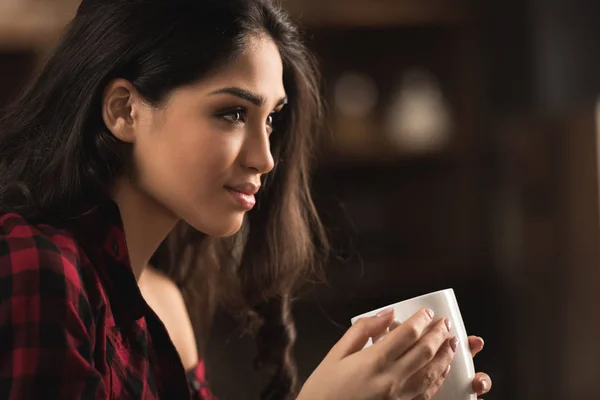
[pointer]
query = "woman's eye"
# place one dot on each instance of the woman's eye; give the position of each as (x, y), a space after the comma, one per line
(235, 117)
(240, 117)
(274, 120)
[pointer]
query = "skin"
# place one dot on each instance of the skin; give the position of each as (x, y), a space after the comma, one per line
(166, 300)
(213, 135)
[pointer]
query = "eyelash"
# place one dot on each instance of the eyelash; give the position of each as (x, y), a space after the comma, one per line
(243, 114)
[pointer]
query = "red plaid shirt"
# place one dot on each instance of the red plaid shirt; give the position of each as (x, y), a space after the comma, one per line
(198, 384)
(73, 323)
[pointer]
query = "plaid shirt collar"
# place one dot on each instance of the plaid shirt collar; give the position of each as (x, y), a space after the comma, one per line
(104, 225)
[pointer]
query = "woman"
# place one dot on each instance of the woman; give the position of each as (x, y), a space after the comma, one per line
(151, 113)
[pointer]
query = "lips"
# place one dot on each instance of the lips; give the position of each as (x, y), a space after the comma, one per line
(247, 188)
(243, 195)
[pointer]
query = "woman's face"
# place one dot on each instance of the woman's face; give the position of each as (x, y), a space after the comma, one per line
(201, 155)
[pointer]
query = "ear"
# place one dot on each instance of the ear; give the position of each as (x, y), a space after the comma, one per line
(120, 109)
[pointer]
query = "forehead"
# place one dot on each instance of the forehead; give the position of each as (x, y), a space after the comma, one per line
(259, 69)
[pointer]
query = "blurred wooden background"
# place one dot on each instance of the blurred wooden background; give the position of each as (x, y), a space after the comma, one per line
(504, 209)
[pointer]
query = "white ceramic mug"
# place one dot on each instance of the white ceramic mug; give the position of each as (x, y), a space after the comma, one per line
(458, 384)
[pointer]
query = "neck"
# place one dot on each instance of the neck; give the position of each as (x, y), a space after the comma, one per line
(146, 224)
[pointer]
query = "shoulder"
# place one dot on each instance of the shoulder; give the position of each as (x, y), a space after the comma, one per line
(167, 301)
(40, 258)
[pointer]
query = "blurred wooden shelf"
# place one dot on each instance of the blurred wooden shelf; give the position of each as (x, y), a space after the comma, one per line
(378, 13)
(34, 27)
(25, 38)
(339, 147)
(376, 155)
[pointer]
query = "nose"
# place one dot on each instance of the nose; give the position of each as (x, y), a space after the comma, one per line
(256, 151)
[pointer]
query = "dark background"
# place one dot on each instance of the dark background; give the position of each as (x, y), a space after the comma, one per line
(506, 212)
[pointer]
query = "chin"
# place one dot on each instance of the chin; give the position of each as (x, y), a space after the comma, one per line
(220, 227)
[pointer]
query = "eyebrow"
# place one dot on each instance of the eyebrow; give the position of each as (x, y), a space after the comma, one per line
(252, 97)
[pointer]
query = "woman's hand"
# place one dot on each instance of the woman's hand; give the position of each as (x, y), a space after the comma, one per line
(408, 363)
(482, 382)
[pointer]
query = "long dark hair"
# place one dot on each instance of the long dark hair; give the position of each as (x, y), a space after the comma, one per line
(57, 158)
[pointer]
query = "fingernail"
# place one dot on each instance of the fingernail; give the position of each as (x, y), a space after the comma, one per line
(447, 371)
(453, 344)
(448, 324)
(385, 312)
(430, 313)
(484, 385)
(482, 341)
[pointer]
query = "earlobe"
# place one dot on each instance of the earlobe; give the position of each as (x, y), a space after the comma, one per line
(118, 109)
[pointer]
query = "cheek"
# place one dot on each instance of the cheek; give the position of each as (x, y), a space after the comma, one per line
(183, 155)
(184, 167)
(203, 157)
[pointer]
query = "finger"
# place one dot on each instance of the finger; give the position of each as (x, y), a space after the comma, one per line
(398, 341)
(424, 351)
(358, 335)
(475, 344)
(482, 383)
(429, 378)
(434, 389)
(395, 324)
(392, 326)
